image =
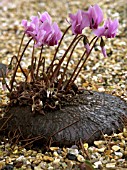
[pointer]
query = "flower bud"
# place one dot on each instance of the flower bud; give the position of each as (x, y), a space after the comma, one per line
(86, 44)
(102, 44)
(85, 40)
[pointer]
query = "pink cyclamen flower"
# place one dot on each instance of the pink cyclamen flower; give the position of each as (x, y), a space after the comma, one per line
(79, 21)
(109, 29)
(42, 30)
(95, 16)
(54, 36)
(31, 27)
(49, 34)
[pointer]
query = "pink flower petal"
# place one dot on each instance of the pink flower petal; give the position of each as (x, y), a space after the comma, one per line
(45, 17)
(95, 16)
(79, 21)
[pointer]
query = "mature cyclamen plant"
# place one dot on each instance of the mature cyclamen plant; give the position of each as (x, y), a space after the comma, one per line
(48, 87)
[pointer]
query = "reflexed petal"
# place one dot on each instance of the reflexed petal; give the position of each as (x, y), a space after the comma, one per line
(46, 26)
(72, 17)
(99, 13)
(85, 20)
(111, 28)
(79, 16)
(34, 20)
(24, 23)
(92, 13)
(95, 16)
(99, 31)
(57, 30)
(79, 21)
(115, 25)
(45, 17)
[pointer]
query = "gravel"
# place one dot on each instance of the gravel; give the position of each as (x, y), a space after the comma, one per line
(100, 74)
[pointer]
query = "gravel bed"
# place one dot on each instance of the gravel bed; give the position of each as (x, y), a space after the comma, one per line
(110, 153)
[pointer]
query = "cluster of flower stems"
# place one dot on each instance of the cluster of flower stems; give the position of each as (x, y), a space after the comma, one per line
(51, 74)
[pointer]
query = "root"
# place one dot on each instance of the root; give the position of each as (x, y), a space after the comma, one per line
(1, 128)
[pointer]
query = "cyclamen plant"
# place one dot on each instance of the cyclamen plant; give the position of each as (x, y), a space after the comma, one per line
(46, 88)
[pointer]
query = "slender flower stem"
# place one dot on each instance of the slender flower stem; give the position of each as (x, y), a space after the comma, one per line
(54, 74)
(15, 57)
(70, 80)
(78, 64)
(35, 62)
(65, 69)
(21, 45)
(40, 59)
(16, 68)
(32, 64)
(43, 59)
(61, 41)
(51, 65)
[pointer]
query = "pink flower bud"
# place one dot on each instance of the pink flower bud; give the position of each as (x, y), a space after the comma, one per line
(87, 48)
(104, 51)
(102, 44)
(86, 44)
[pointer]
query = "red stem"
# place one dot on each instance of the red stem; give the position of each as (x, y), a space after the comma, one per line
(19, 65)
(65, 69)
(16, 68)
(32, 65)
(43, 59)
(69, 82)
(21, 44)
(51, 65)
(54, 74)
(39, 61)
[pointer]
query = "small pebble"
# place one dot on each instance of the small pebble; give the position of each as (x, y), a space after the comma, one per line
(71, 156)
(115, 148)
(80, 158)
